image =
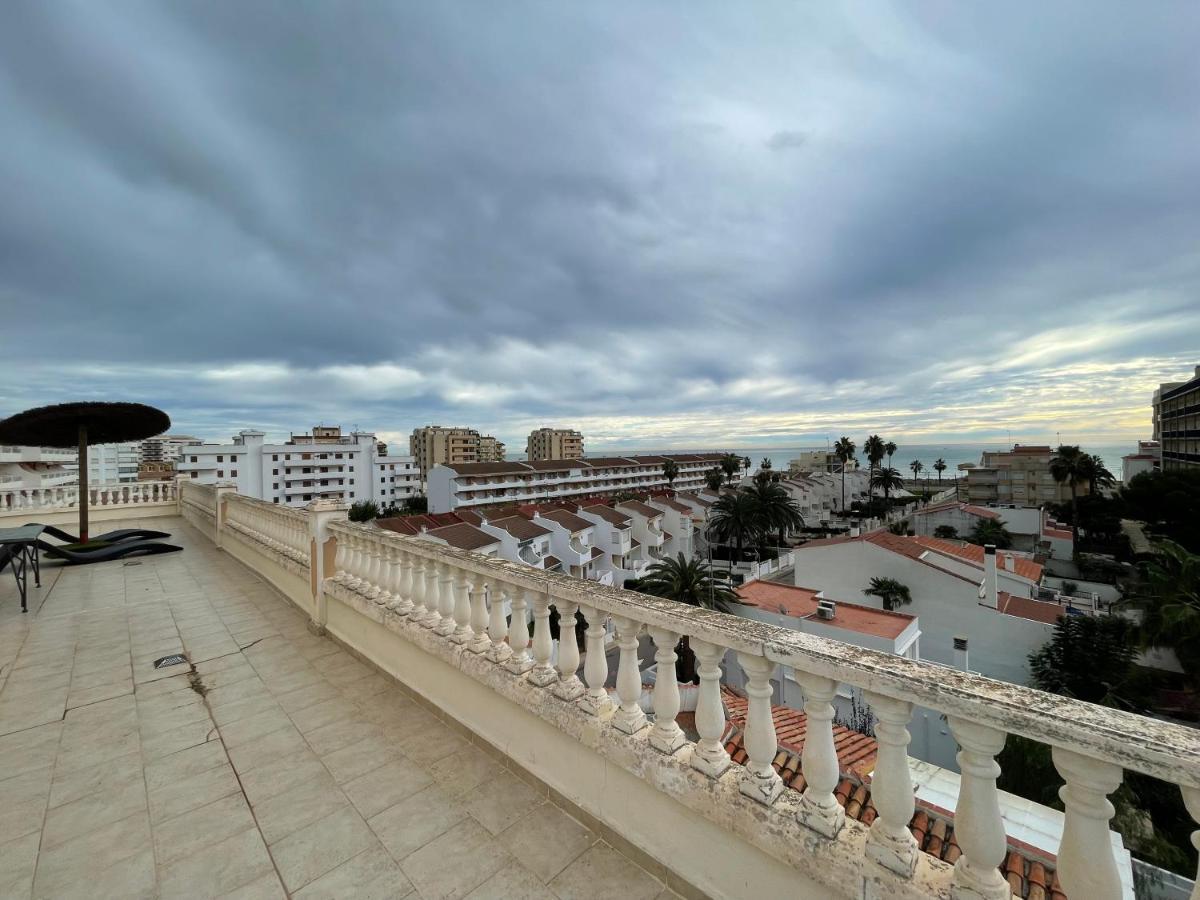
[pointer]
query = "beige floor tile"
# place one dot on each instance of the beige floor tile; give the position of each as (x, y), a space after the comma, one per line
(29, 750)
(285, 741)
(282, 774)
(323, 845)
(311, 717)
(371, 875)
(93, 811)
(455, 863)
(93, 693)
(265, 887)
(546, 840)
(288, 812)
(413, 822)
(603, 872)
(359, 758)
(179, 838)
(341, 734)
(18, 861)
(263, 723)
(132, 878)
(461, 772)
(168, 770)
(190, 793)
(23, 804)
(513, 882)
(218, 869)
(69, 863)
(309, 694)
(21, 713)
(380, 788)
(167, 742)
(427, 745)
(229, 714)
(500, 801)
(106, 748)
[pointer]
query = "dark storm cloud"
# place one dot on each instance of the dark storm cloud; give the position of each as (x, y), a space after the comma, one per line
(669, 222)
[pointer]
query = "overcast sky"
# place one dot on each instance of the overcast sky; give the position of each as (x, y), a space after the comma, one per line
(684, 225)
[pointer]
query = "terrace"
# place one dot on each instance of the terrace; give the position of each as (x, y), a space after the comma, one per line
(358, 716)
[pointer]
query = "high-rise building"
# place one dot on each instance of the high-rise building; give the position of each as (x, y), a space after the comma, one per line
(322, 465)
(109, 463)
(166, 448)
(491, 449)
(1177, 422)
(1020, 476)
(554, 443)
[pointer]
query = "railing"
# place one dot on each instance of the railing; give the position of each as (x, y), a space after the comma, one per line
(461, 597)
(281, 529)
(99, 496)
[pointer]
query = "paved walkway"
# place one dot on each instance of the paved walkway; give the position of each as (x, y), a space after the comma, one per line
(281, 766)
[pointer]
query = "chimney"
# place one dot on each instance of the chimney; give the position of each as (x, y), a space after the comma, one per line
(854, 531)
(1010, 564)
(960, 653)
(989, 577)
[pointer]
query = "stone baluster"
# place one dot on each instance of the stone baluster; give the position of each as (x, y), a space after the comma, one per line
(497, 624)
(402, 602)
(569, 686)
(519, 661)
(889, 842)
(353, 562)
(710, 755)
(385, 571)
(977, 822)
(629, 717)
(1191, 799)
(1086, 865)
(542, 674)
(432, 595)
(445, 623)
(418, 589)
(463, 633)
(760, 780)
(819, 809)
(595, 668)
(479, 615)
(666, 736)
(374, 588)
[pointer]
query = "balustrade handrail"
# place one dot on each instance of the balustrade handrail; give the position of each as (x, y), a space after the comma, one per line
(1150, 746)
(278, 510)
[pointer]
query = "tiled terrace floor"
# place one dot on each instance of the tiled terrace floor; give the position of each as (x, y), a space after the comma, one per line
(301, 772)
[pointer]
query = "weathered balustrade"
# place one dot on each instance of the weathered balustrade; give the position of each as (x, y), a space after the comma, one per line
(278, 529)
(481, 607)
(100, 495)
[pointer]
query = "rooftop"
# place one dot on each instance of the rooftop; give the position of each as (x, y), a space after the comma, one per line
(568, 520)
(519, 527)
(463, 536)
(801, 602)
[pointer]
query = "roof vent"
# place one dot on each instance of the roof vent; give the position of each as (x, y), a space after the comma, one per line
(826, 609)
(960, 643)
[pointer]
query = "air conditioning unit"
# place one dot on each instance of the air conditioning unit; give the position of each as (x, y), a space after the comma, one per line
(826, 609)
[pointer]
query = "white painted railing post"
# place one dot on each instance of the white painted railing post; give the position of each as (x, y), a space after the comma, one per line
(889, 842)
(710, 755)
(1086, 865)
(819, 809)
(666, 736)
(543, 674)
(402, 603)
(760, 780)
(418, 613)
(321, 559)
(595, 668)
(977, 822)
(479, 615)
(220, 491)
(462, 608)
(569, 687)
(432, 595)
(629, 717)
(497, 625)
(445, 621)
(1191, 799)
(519, 660)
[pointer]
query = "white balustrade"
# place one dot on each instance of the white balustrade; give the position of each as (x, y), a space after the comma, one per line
(595, 668)
(398, 562)
(497, 625)
(760, 782)
(482, 641)
(519, 660)
(542, 674)
(445, 611)
(432, 595)
(977, 822)
(710, 755)
(629, 717)
(569, 687)
(462, 610)
(666, 736)
(819, 809)
(889, 842)
(1086, 865)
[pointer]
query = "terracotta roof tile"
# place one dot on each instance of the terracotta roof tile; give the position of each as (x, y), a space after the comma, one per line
(608, 514)
(568, 520)
(520, 527)
(639, 507)
(463, 536)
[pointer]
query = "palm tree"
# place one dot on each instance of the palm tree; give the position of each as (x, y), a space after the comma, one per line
(670, 472)
(917, 468)
(939, 466)
(1068, 466)
(730, 464)
(887, 480)
(691, 582)
(714, 478)
(776, 509)
(890, 591)
(766, 463)
(873, 447)
(1094, 472)
(991, 531)
(735, 519)
(889, 448)
(1170, 602)
(844, 450)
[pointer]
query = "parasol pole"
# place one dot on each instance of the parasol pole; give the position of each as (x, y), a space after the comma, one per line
(83, 484)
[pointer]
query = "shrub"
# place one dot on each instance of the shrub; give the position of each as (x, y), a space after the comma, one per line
(364, 511)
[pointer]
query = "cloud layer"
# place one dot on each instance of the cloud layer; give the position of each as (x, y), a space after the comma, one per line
(669, 225)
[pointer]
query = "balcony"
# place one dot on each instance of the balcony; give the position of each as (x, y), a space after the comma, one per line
(378, 723)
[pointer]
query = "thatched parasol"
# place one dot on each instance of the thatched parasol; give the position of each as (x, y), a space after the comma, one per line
(81, 424)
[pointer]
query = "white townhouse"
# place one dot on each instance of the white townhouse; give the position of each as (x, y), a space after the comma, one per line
(647, 527)
(678, 526)
(572, 542)
(522, 541)
(324, 465)
(613, 532)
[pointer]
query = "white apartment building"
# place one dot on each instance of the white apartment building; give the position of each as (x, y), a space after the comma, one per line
(462, 485)
(110, 463)
(1147, 458)
(323, 466)
(554, 443)
(166, 448)
(34, 469)
(819, 461)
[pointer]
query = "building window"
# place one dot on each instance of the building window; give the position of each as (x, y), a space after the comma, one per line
(337, 456)
(275, 500)
(233, 473)
(220, 459)
(275, 486)
(274, 471)
(195, 459)
(274, 457)
(194, 474)
(220, 473)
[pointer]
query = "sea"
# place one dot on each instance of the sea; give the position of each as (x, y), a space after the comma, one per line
(953, 454)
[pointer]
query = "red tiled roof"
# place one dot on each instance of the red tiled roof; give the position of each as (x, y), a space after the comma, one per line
(520, 528)
(696, 498)
(1061, 534)
(597, 553)
(1028, 608)
(973, 553)
(463, 536)
(799, 602)
(551, 562)
(673, 504)
(608, 514)
(639, 507)
(568, 520)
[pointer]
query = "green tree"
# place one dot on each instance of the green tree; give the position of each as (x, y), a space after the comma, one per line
(777, 511)
(363, 511)
(917, 468)
(939, 466)
(670, 472)
(844, 450)
(1167, 502)
(1168, 595)
(730, 465)
(990, 531)
(734, 519)
(889, 448)
(1089, 658)
(886, 480)
(714, 478)
(1093, 472)
(890, 592)
(946, 532)
(1068, 467)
